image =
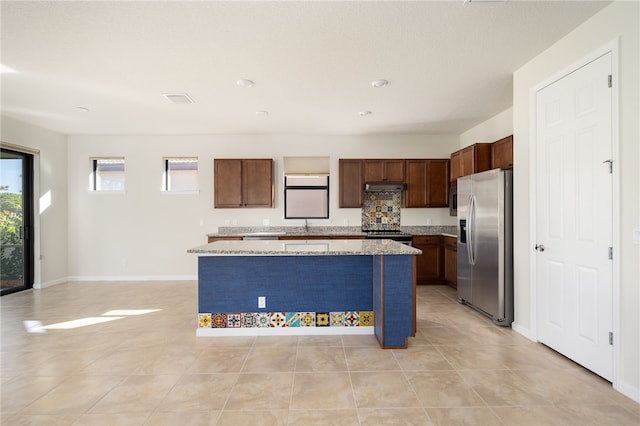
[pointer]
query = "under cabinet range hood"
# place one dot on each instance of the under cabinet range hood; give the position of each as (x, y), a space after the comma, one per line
(385, 186)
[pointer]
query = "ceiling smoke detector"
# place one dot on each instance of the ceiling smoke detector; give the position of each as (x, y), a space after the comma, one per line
(178, 98)
(245, 83)
(379, 83)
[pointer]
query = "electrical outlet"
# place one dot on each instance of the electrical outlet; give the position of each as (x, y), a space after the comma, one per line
(262, 302)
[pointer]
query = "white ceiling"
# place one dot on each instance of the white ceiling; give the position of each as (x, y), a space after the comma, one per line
(449, 64)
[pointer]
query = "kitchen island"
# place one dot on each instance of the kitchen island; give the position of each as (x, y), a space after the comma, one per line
(271, 287)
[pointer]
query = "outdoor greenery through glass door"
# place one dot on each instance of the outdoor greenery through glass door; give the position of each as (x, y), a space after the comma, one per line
(16, 258)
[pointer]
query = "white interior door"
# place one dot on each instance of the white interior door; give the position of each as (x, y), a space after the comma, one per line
(574, 216)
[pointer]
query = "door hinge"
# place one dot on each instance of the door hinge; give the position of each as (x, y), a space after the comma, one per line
(610, 80)
(611, 338)
(610, 253)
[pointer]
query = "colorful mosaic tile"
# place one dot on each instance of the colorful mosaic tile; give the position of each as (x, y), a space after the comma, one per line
(337, 319)
(381, 211)
(278, 319)
(204, 320)
(307, 319)
(249, 320)
(367, 318)
(219, 320)
(234, 321)
(352, 319)
(263, 320)
(322, 319)
(293, 319)
(286, 319)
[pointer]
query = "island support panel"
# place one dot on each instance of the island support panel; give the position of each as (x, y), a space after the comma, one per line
(394, 299)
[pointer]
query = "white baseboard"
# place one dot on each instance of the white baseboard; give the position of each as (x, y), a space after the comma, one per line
(40, 286)
(134, 278)
(523, 331)
(628, 390)
(284, 331)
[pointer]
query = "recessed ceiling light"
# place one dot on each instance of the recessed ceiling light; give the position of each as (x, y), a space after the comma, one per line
(262, 113)
(83, 109)
(245, 83)
(379, 83)
(178, 98)
(365, 113)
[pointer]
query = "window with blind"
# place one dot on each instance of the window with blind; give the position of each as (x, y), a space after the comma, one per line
(107, 174)
(180, 174)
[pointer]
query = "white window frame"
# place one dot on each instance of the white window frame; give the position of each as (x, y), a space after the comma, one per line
(94, 178)
(166, 177)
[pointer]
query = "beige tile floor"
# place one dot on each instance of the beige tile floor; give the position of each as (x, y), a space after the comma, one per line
(150, 369)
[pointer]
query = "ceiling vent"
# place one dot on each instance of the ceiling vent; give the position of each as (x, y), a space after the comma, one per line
(178, 98)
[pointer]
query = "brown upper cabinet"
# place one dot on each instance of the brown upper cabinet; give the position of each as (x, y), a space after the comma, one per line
(351, 177)
(475, 158)
(427, 183)
(456, 166)
(242, 183)
(502, 153)
(384, 170)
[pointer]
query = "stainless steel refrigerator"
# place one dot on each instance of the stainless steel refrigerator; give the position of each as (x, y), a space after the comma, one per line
(485, 244)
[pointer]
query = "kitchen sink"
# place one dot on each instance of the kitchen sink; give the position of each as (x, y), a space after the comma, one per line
(263, 235)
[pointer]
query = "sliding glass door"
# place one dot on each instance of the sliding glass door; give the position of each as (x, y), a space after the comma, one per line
(16, 221)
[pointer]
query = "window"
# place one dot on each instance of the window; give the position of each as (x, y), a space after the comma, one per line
(306, 197)
(107, 174)
(180, 174)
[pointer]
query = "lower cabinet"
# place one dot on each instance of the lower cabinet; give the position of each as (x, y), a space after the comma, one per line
(450, 245)
(430, 264)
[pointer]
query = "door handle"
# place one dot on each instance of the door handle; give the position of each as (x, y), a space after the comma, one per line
(539, 247)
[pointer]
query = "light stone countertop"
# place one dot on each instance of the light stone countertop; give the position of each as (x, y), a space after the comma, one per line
(329, 231)
(305, 248)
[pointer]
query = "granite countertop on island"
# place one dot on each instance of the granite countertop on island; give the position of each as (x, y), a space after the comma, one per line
(305, 248)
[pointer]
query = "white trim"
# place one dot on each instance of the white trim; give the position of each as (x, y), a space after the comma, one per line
(40, 285)
(525, 332)
(628, 390)
(37, 238)
(133, 278)
(284, 331)
(613, 48)
(186, 192)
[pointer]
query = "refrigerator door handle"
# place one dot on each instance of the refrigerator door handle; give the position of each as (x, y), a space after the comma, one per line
(467, 230)
(471, 249)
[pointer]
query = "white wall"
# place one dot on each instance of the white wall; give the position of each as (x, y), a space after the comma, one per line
(51, 266)
(491, 130)
(145, 233)
(619, 20)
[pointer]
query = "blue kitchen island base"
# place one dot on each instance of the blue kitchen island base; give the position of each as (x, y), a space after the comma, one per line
(306, 294)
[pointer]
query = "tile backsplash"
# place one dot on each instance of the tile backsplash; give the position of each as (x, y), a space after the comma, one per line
(381, 211)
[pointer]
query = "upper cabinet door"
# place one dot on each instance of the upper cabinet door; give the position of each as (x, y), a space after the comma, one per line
(416, 193)
(502, 153)
(456, 166)
(438, 183)
(227, 183)
(257, 183)
(427, 183)
(384, 170)
(351, 183)
(243, 183)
